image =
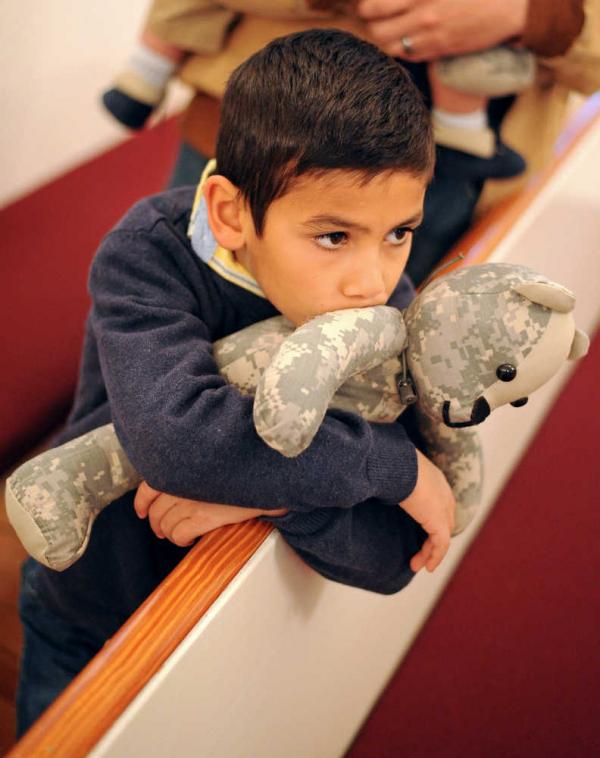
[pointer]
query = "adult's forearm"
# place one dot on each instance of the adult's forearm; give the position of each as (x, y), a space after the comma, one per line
(552, 27)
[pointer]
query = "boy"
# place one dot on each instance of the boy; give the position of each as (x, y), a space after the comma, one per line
(323, 157)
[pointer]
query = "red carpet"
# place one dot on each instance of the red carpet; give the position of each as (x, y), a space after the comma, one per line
(509, 664)
(48, 240)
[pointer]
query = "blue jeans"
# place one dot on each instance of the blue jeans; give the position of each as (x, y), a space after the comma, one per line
(68, 616)
(54, 651)
(449, 205)
(188, 167)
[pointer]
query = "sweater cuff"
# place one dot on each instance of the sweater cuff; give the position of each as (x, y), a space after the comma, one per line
(392, 467)
(298, 523)
(552, 27)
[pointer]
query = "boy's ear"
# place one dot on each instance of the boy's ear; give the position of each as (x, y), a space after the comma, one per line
(226, 210)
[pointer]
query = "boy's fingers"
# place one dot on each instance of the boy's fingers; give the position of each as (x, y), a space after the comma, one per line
(175, 515)
(420, 559)
(441, 543)
(144, 497)
(184, 533)
(159, 508)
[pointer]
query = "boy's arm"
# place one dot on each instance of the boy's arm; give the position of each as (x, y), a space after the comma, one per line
(370, 546)
(185, 429)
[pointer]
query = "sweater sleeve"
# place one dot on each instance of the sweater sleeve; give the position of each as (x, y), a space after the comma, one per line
(552, 27)
(191, 434)
(369, 546)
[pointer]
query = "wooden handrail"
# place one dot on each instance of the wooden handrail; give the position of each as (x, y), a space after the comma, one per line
(83, 713)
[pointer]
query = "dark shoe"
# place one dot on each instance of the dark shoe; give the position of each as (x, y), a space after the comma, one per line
(129, 111)
(504, 164)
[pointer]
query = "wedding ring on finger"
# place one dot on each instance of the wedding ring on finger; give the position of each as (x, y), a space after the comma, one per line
(407, 44)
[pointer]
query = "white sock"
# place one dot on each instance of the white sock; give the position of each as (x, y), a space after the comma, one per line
(474, 121)
(153, 68)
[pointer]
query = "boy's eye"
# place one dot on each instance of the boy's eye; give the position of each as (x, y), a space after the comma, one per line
(399, 235)
(332, 240)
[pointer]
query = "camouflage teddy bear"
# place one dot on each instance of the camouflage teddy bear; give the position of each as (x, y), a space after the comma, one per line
(478, 338)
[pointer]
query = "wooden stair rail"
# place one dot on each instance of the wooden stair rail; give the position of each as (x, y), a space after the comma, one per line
(85, 711)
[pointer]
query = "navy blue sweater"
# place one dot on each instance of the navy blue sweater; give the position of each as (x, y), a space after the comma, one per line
(147, 366)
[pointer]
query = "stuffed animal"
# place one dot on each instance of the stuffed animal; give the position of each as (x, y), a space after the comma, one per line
(474, 340)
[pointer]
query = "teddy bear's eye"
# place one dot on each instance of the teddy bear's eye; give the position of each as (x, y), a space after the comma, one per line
(506, 372)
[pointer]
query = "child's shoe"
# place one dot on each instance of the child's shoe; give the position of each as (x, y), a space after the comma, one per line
(141, 87)
(126, 109)
(474, 153)
(505, 163)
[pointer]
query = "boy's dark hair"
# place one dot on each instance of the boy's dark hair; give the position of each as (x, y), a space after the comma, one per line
(318, 100)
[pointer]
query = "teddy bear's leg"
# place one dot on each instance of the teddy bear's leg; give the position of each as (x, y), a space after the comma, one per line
(53, 499)
(458, 454)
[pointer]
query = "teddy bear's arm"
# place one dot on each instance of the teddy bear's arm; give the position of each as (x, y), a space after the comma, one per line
(296, 389)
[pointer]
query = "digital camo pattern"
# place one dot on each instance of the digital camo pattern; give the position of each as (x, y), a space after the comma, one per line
(463, 326)
(243, 356)
(458, 454)
(62, 491)
(295, 390)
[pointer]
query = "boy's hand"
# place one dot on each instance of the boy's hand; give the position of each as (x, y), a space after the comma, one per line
(181, 520)
(432, 505)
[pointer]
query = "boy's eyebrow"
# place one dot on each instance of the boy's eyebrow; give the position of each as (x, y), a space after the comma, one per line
(338, 222)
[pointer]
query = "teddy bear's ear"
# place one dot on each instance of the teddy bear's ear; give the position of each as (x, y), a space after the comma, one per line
(579, 346)
(547, 294)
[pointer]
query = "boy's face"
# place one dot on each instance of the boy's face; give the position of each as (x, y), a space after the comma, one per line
(334, 242)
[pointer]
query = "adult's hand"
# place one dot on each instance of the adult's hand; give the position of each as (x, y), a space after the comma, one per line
(433, 29)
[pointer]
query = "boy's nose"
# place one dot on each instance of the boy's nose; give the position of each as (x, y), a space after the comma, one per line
(366, 281)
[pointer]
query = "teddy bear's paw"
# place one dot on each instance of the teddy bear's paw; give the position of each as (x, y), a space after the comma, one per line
(53, 499)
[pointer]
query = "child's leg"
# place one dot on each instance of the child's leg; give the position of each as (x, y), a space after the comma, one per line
(54, 651)
(460, 118)
(465, 140)
(68, 615)
(140, 88)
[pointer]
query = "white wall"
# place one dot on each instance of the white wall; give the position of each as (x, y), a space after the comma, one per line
(55, 59)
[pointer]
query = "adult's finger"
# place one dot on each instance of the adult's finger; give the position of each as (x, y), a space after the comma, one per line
(372, 9)
(387, 32)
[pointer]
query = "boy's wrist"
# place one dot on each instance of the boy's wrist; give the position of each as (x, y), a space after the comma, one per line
(392, 467)
(302, 523)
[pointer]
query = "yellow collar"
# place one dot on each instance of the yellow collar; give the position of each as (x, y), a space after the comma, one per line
(204, 244)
